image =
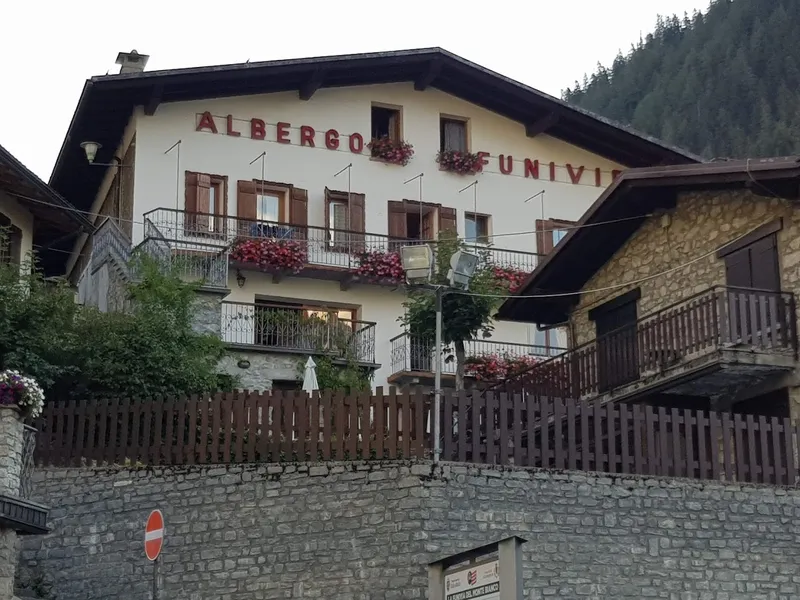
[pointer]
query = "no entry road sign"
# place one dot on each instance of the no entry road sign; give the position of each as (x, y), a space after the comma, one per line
(154, 535)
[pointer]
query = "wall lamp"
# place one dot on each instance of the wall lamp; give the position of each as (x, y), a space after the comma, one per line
(240, 279)
(91, 148)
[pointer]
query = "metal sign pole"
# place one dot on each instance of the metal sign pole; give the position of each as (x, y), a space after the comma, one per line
(155, 579)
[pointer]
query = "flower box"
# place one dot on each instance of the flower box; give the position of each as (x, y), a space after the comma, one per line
(494, 367)
(22, 392)
(509, 277)
(396, 152)
(271, 254)
(463, 163)
(381, 265)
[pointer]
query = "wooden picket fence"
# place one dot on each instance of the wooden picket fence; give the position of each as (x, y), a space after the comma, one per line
(518, 429)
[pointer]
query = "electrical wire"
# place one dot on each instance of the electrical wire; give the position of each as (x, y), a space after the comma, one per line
(611, 287)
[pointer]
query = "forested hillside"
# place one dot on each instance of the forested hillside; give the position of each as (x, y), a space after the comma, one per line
(724, 83)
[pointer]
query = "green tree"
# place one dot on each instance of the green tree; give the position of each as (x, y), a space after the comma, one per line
(465, 316)
(79, 352)
(722, 84)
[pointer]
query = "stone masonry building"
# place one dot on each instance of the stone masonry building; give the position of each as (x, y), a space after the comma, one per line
(685, 296)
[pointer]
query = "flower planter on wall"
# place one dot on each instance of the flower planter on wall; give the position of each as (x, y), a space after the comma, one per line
(271, 254)
(461, 163)
(380, 265)
(395, 152)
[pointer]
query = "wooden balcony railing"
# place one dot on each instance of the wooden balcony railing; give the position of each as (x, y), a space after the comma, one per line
(290, 330)
(484, 357)
(323, 246)
(721, 317)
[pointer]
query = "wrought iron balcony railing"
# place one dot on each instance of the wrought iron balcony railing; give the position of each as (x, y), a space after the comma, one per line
(485, 359)
(716, 319)
(322, 246)
(292, 330)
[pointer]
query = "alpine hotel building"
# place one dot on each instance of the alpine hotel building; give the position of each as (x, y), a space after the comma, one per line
(287, 188)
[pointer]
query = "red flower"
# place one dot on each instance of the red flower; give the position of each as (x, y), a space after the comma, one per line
(271, 254)
(463, 163)
(379, 264)
(392, 151)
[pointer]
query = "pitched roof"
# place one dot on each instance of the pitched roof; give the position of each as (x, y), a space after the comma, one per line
(107, 103)
(619, 212)
(54, 218)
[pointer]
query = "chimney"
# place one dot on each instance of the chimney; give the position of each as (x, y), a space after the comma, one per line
(132, 62)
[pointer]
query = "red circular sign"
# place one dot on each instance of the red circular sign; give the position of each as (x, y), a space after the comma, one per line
(154, 535)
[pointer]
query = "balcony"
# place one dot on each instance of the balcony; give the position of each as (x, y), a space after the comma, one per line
(305, 251)
(286, 330)
(715, 343)
(487, 360)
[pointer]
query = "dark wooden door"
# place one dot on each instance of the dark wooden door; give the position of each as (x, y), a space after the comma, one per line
(617, 355)
(751, 273)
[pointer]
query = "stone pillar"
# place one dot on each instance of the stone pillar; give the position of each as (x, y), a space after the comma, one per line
(11, 447)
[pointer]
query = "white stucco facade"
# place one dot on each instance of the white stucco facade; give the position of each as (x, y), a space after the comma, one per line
(570, 177)
(21, 218)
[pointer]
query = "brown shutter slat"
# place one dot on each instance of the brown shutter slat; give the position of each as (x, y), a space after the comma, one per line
(190, 202)
(203, 201)
(397, 219)
(246, 205)
(447, 219)
(357, 208)
(544, 236)
(298, 208)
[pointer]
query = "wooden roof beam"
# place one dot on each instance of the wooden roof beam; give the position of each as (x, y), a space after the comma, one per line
(540, 126)
(312, 84)
(434, 67)
(155, 99)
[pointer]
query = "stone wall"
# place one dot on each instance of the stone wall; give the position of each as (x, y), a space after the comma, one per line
(701, 223)
(364, 531)
(265, 367)
(11, 441)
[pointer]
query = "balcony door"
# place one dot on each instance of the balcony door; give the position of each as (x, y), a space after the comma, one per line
(747, 269)
(617, 348)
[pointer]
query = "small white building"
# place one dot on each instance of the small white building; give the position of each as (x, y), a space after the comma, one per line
(261, 180)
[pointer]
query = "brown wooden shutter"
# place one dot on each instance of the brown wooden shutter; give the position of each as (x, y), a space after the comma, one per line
(298, 207)
(190, 203)
(544, 236)
(357, 208)
(397, 220)
(447, 219)
(203, 201)
(246, 209)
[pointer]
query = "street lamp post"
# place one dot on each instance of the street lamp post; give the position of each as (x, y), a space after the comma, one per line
(418, 264)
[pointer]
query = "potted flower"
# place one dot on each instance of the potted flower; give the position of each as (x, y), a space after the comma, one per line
(381, 265)
(463, 163)
(396, 152)
(494, 367)
(271, 254)
(22, 392)
(509, 277)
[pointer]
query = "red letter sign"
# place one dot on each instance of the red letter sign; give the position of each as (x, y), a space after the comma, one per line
(356, 143)
(258, 130)
(207, 122)
(307, 136)
(230, 129)
(332, 139)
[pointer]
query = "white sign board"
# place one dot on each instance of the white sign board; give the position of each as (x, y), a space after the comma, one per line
(474, 582)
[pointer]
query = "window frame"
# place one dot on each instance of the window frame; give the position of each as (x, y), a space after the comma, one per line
(476, 218)
(444, 118)
(545, 233)
(397, 134)
(266, 188)
(11, 250)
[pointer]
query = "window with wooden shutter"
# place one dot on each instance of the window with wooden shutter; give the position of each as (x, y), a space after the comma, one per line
(550, 232)
(357, 211)
(397, 220)
(447, 219)
(205, 204)
(246, 208)
(476, 228)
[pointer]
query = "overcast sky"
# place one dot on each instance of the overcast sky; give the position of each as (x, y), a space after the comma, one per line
(49, 48)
